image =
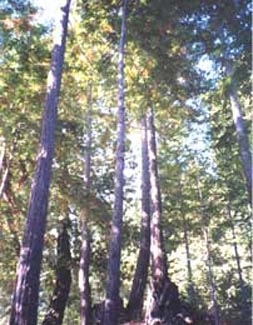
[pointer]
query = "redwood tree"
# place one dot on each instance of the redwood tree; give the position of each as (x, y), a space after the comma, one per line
(140, 277)
(158, 257)
(113, 281)
(164, 305)
(26, 292)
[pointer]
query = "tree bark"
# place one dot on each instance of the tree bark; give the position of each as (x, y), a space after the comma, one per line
(158, 256)
(241, 133)
(25, 297)
(84, 285)
(113, 282)
(60, 296)
(135, 303)
(164, 304)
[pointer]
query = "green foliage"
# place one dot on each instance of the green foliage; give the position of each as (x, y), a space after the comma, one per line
(165, 40)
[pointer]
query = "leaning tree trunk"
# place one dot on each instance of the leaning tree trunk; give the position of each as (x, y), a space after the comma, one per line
(135, 303)
(164, 303)
(55, 313)
(208, 254)
(26, 292)
(84, 285)
(240, 133)
(111, 312)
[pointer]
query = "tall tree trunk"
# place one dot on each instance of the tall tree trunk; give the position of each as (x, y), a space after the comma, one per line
(244, 305)
(205, 222)
(84, 285)
(241, 133)
(164, 304)
(135, 303)
(60, 296)
(113, 281)
(25, 297)
(158, 256)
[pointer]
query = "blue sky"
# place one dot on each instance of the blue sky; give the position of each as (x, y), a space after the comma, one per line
(48, 9)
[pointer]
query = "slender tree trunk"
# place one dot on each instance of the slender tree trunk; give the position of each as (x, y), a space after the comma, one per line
(60, 296)
(25, 297)
(135, 303)
(190, 288)
(113, 282)
(84, 285)
(2, 156)
(241, 134)
(208, 253)
(6, 162)
(244, 305)
(6, 192)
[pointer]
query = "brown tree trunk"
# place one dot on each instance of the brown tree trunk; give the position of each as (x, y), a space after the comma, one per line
(135, 303)
(113, 282)
(25, 297)
(84, 285)
(164, 304)
(158, 256)
(60, 296)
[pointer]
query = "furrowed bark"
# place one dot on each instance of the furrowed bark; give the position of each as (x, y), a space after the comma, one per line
(111, 312)
(26, 292)
(163, 300)
(164, 306)
(158, 257)
(135, 303)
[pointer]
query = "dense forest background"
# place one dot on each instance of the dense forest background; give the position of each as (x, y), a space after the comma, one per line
(188, 62)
